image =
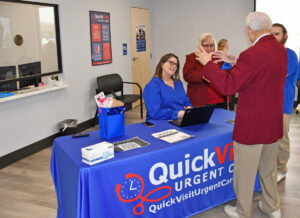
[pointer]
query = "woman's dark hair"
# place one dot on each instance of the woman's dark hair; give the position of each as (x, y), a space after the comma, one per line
(283, 31)
(164, 59)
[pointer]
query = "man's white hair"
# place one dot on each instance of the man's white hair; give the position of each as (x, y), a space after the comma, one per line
(258, 21)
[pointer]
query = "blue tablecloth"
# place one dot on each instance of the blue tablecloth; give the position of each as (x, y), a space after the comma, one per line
(159, 180)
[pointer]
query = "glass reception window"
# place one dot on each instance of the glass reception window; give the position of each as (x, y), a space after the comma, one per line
(29, 39)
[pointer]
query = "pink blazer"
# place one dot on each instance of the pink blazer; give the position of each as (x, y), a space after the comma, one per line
(258, 77)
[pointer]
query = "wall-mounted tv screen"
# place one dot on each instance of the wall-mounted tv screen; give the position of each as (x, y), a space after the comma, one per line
(29, 69)
(8, 72)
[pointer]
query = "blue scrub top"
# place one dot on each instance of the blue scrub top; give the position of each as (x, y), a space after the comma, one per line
(162, 101)
(290, 82)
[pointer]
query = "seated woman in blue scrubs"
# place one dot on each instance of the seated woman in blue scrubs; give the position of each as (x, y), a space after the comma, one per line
(164, 95)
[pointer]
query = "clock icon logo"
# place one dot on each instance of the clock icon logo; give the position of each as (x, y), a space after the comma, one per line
(132, 189)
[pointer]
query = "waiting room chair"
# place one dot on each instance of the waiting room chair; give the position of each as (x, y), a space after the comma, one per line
(113, 84)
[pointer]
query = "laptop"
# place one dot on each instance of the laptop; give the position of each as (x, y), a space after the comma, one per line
(193, 116)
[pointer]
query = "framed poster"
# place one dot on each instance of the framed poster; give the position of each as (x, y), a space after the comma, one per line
(140, 37)
(100, 38)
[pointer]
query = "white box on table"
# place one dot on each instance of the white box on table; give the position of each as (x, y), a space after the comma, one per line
(97, 153)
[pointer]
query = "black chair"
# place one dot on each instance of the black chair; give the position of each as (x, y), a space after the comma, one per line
(113, 83)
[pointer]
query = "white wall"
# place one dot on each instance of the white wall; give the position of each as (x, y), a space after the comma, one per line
(287, 13)
(175, 27)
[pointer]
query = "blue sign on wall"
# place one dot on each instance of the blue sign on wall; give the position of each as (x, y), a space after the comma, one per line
(124, 48)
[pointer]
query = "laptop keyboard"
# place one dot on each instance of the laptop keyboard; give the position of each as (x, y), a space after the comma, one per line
(177, 121)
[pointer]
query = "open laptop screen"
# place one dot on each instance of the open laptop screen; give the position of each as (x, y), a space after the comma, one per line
(193, 116)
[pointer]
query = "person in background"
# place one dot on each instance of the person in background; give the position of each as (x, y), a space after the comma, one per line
(164, 95)
(199, 90)
(258, 76)
(280, 33)
(223, 45)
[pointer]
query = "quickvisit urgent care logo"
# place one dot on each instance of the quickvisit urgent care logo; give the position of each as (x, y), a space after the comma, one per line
(183, 178)
(132, 190)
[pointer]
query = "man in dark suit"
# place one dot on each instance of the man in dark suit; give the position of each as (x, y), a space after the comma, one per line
(258, 76)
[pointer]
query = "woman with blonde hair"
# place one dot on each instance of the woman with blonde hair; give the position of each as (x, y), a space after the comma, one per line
(223, 45)
(199, 90)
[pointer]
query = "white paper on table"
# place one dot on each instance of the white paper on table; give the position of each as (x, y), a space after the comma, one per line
(128, 146)
(172, 135)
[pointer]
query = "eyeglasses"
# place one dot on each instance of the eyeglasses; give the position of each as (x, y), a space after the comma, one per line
(172, 63)
(208, 45)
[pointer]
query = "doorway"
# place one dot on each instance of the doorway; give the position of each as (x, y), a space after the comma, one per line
(140, 47)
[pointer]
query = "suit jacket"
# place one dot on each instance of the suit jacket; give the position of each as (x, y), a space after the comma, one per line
(258, 77)
(197, 88)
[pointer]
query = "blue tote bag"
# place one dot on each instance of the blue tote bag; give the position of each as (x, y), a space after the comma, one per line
(111, 122)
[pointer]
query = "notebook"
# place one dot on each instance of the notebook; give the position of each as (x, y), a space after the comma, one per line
(193, 116)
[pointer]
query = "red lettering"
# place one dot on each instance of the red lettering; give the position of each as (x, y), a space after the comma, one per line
(221, 156)
(231, 152)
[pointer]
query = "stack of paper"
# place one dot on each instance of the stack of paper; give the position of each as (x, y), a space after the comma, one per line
(129, 144)
(172, 135)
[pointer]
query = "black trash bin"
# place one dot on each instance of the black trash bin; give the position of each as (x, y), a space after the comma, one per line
(67, 127)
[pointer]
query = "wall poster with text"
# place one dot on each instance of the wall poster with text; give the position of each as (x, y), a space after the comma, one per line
(100, 38)
(140, 37)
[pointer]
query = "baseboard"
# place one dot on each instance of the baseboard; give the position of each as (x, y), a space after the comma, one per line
(37, 146)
